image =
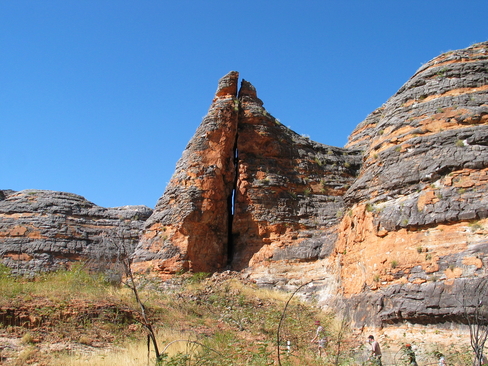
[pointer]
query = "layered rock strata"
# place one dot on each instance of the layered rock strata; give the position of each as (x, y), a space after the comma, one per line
(46, 230)
(418, 221)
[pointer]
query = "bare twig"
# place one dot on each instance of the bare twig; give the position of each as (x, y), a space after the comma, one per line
(283, 316)
(123, 255)
(476, 315)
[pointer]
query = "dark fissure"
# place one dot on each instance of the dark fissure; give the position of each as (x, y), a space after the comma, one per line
(231, 201)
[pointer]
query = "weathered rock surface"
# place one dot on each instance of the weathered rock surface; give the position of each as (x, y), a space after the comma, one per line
(419, 204)
(43, 230)
(439, 303)
(247, 190)
(394, 225)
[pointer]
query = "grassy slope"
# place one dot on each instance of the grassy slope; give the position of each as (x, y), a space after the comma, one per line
(74, 318)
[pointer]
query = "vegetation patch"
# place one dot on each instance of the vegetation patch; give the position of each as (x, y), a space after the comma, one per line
(198, 319)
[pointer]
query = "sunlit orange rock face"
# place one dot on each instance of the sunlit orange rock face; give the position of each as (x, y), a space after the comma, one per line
(417, 228)
(247, 191)
(190, 225)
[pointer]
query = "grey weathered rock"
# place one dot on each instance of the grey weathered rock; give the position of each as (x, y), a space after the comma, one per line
(434, 302)
(43, 230)
(421, 195)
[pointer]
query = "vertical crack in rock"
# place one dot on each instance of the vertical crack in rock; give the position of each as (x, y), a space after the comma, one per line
(247, 190)
(231, 207)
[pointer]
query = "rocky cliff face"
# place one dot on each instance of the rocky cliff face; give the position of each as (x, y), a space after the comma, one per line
(247, 190)
(399, 212)
(418, 222)
(394, 225)
(43, 230)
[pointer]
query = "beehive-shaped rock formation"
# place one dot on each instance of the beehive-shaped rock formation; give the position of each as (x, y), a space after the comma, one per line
(247, 190)
(46, 230)
(418, 227)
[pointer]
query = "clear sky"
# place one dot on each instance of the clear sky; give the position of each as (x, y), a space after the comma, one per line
(100, 97)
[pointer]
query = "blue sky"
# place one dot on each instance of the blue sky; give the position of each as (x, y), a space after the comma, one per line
(100, 97)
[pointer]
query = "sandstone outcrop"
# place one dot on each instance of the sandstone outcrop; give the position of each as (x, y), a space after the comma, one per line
(400, 210)
(247, 190)
(44, 230)
(418, 222)
(394, 226)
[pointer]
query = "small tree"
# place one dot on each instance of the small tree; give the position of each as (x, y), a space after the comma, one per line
(123, 258)
(342, 329)
(114, 258)
(475, 312)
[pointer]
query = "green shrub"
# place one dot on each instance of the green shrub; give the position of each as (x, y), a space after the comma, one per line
(198, 277)
(460, 143)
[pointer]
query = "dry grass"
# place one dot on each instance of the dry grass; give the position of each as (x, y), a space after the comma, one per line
(233, 323)
(25, 356)
(133, 354)
(258, 292)
(60, 286)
